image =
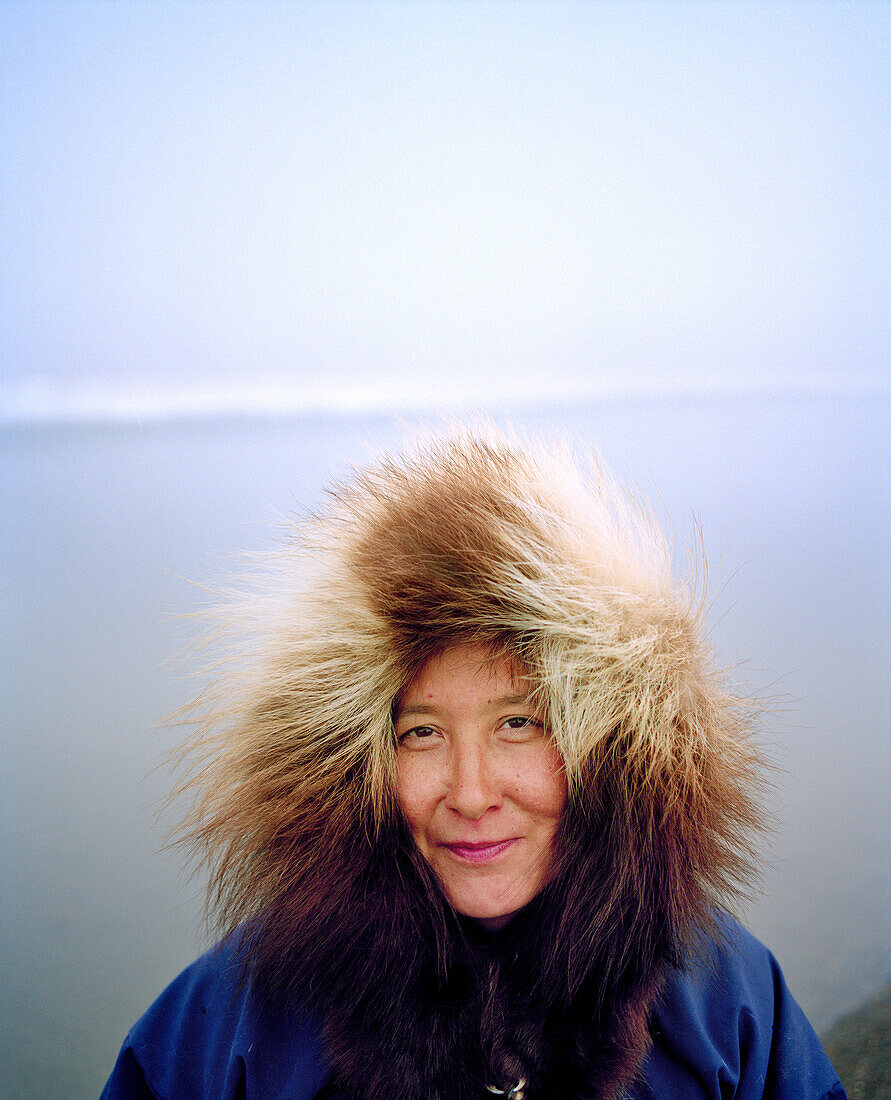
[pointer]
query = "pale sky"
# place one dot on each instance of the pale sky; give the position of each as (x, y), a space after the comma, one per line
(214, 205)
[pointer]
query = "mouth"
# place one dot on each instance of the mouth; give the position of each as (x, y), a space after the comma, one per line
(480, 851)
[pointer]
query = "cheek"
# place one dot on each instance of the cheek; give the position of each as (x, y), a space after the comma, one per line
(415, 790)
(543, 787)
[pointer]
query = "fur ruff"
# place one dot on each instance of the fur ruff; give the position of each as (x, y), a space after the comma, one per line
(474, 538)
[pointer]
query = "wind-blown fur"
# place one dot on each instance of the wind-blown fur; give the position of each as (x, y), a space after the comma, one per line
(474, 538)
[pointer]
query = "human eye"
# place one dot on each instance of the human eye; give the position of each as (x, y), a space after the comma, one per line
(417, 737)
(523, 724)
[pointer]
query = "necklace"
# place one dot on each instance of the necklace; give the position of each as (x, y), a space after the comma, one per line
(515, 1093)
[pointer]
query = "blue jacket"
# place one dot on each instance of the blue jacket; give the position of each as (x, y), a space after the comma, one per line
(729, 1029)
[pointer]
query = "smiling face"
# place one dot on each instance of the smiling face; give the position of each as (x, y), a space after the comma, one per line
(479, 781)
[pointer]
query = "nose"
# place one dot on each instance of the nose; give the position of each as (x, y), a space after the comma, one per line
(473, 783)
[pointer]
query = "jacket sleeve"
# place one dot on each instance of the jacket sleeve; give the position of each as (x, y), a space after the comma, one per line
(127, 1081)
(731, 1028)
(208, 1038)
(797, 1064)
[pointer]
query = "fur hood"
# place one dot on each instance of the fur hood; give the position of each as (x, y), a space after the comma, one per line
(474, 538)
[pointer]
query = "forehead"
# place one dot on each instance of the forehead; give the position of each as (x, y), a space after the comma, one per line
(467, 670)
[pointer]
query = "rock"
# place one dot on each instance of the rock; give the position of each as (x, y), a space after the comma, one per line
(859, 1046)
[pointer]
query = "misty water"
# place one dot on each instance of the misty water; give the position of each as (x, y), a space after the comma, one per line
(111, 535)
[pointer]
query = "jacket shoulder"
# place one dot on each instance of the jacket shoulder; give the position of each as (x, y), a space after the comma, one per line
(728, 1025)
(208, 1036)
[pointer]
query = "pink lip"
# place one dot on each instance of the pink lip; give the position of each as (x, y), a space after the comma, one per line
(480, 851)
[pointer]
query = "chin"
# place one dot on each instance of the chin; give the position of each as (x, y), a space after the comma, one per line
(488, 914)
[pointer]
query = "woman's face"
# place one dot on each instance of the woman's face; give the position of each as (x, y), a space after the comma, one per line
(479, 782)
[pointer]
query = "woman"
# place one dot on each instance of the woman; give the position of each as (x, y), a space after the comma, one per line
(475, 819)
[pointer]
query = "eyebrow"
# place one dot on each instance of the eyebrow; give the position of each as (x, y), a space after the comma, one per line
(421, 709)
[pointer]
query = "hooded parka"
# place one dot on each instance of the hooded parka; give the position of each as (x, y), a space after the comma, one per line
(344, 971)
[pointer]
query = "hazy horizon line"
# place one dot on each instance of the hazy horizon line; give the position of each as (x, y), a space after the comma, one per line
(40, 403)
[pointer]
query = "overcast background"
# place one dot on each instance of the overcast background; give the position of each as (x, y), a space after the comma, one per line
(357, 204)
(243, 241)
